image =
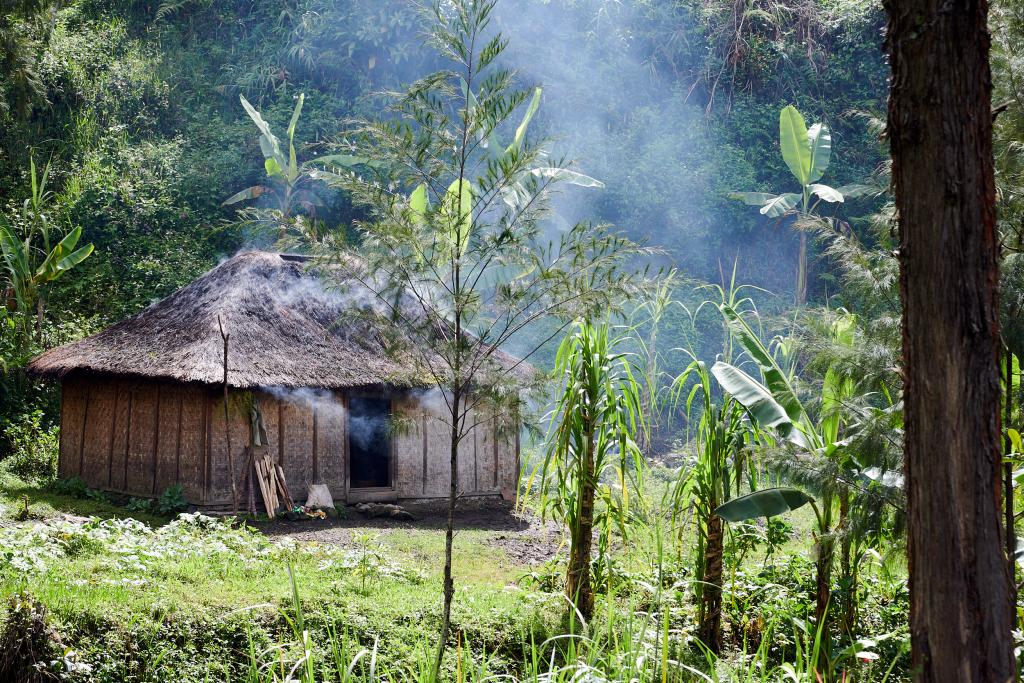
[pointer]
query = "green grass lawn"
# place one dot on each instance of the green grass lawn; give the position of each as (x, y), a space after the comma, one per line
(190, 596)
(138, 597)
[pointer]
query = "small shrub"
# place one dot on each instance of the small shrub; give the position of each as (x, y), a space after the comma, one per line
(29, 647)
(34, 448)
(97, 495)
(139, 505)
(172, 501)
(72, 486)
(548, 577)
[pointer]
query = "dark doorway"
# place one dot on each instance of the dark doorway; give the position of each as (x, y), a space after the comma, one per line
(369, 442)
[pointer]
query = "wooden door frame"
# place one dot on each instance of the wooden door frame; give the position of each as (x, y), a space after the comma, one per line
(375, 493)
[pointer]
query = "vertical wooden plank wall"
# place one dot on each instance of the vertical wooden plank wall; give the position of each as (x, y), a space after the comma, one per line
(467, 456)
(407, 448)
(331, 443)
(99, 433)
(117, 450)
(438, 456)
(141, 437)
(297, 439)
(168, 438)
(218, 492)
(193, 442)
(72, 412)
(140, 458)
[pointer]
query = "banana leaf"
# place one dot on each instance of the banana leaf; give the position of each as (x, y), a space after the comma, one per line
(827, 193)
(820, 142)
(795, 144)
(759, 402)
(763, 503)
(248, 193)
(269, 144)
(779, 206)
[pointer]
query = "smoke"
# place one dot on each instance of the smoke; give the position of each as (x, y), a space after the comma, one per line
(324, 401)
(621, 99)
(367, 423)
(347, 295)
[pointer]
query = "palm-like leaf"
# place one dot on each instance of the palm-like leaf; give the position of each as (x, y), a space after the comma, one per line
(763, 503)
(779, 206)
(269, 144)
(819, 140)
(795, 144)
(767, 412)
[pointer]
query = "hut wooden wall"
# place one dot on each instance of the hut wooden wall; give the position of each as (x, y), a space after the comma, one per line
(488, 460)
(331, 457)
(139, 437)
(133, 437)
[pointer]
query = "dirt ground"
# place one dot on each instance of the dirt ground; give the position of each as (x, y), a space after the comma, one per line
(522, 536)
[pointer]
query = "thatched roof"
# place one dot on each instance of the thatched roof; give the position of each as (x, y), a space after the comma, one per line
(287, 329)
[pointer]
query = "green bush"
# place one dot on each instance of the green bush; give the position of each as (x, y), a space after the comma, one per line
(139, 505)
(72, 486)
(172, 501)
(34, 448)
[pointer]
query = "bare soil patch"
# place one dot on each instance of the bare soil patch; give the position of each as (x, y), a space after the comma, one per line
(522, 536)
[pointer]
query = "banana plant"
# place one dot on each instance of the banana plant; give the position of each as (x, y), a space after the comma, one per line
(28, 257)
(287, 180)
(807, 152)
(773, 405)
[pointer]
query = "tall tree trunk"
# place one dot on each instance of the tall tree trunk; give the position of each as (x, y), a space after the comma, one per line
(848, 618)
(1010, 535)
(577, 582)
(710, 627)
(801, 271)
(448, 581)
(940, 131)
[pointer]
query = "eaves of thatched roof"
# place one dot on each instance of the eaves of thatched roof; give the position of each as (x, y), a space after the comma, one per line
(287, 329)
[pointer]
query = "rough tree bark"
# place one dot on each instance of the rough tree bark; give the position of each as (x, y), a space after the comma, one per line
(710, 617)
(1009, 533)
(578, 587)
(940, 131)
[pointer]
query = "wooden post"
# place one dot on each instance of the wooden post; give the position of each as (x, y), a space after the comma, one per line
(156, 439)
(227, 422)
(113, 435)
(81, 440)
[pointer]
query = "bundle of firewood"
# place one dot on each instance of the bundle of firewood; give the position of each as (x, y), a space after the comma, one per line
(270, 478)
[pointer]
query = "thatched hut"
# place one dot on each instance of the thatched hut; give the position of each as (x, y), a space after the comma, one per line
(142, 401)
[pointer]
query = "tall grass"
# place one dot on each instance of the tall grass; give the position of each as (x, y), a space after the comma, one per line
(622, 645)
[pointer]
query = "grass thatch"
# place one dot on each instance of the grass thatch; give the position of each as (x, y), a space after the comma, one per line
(287, 329)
